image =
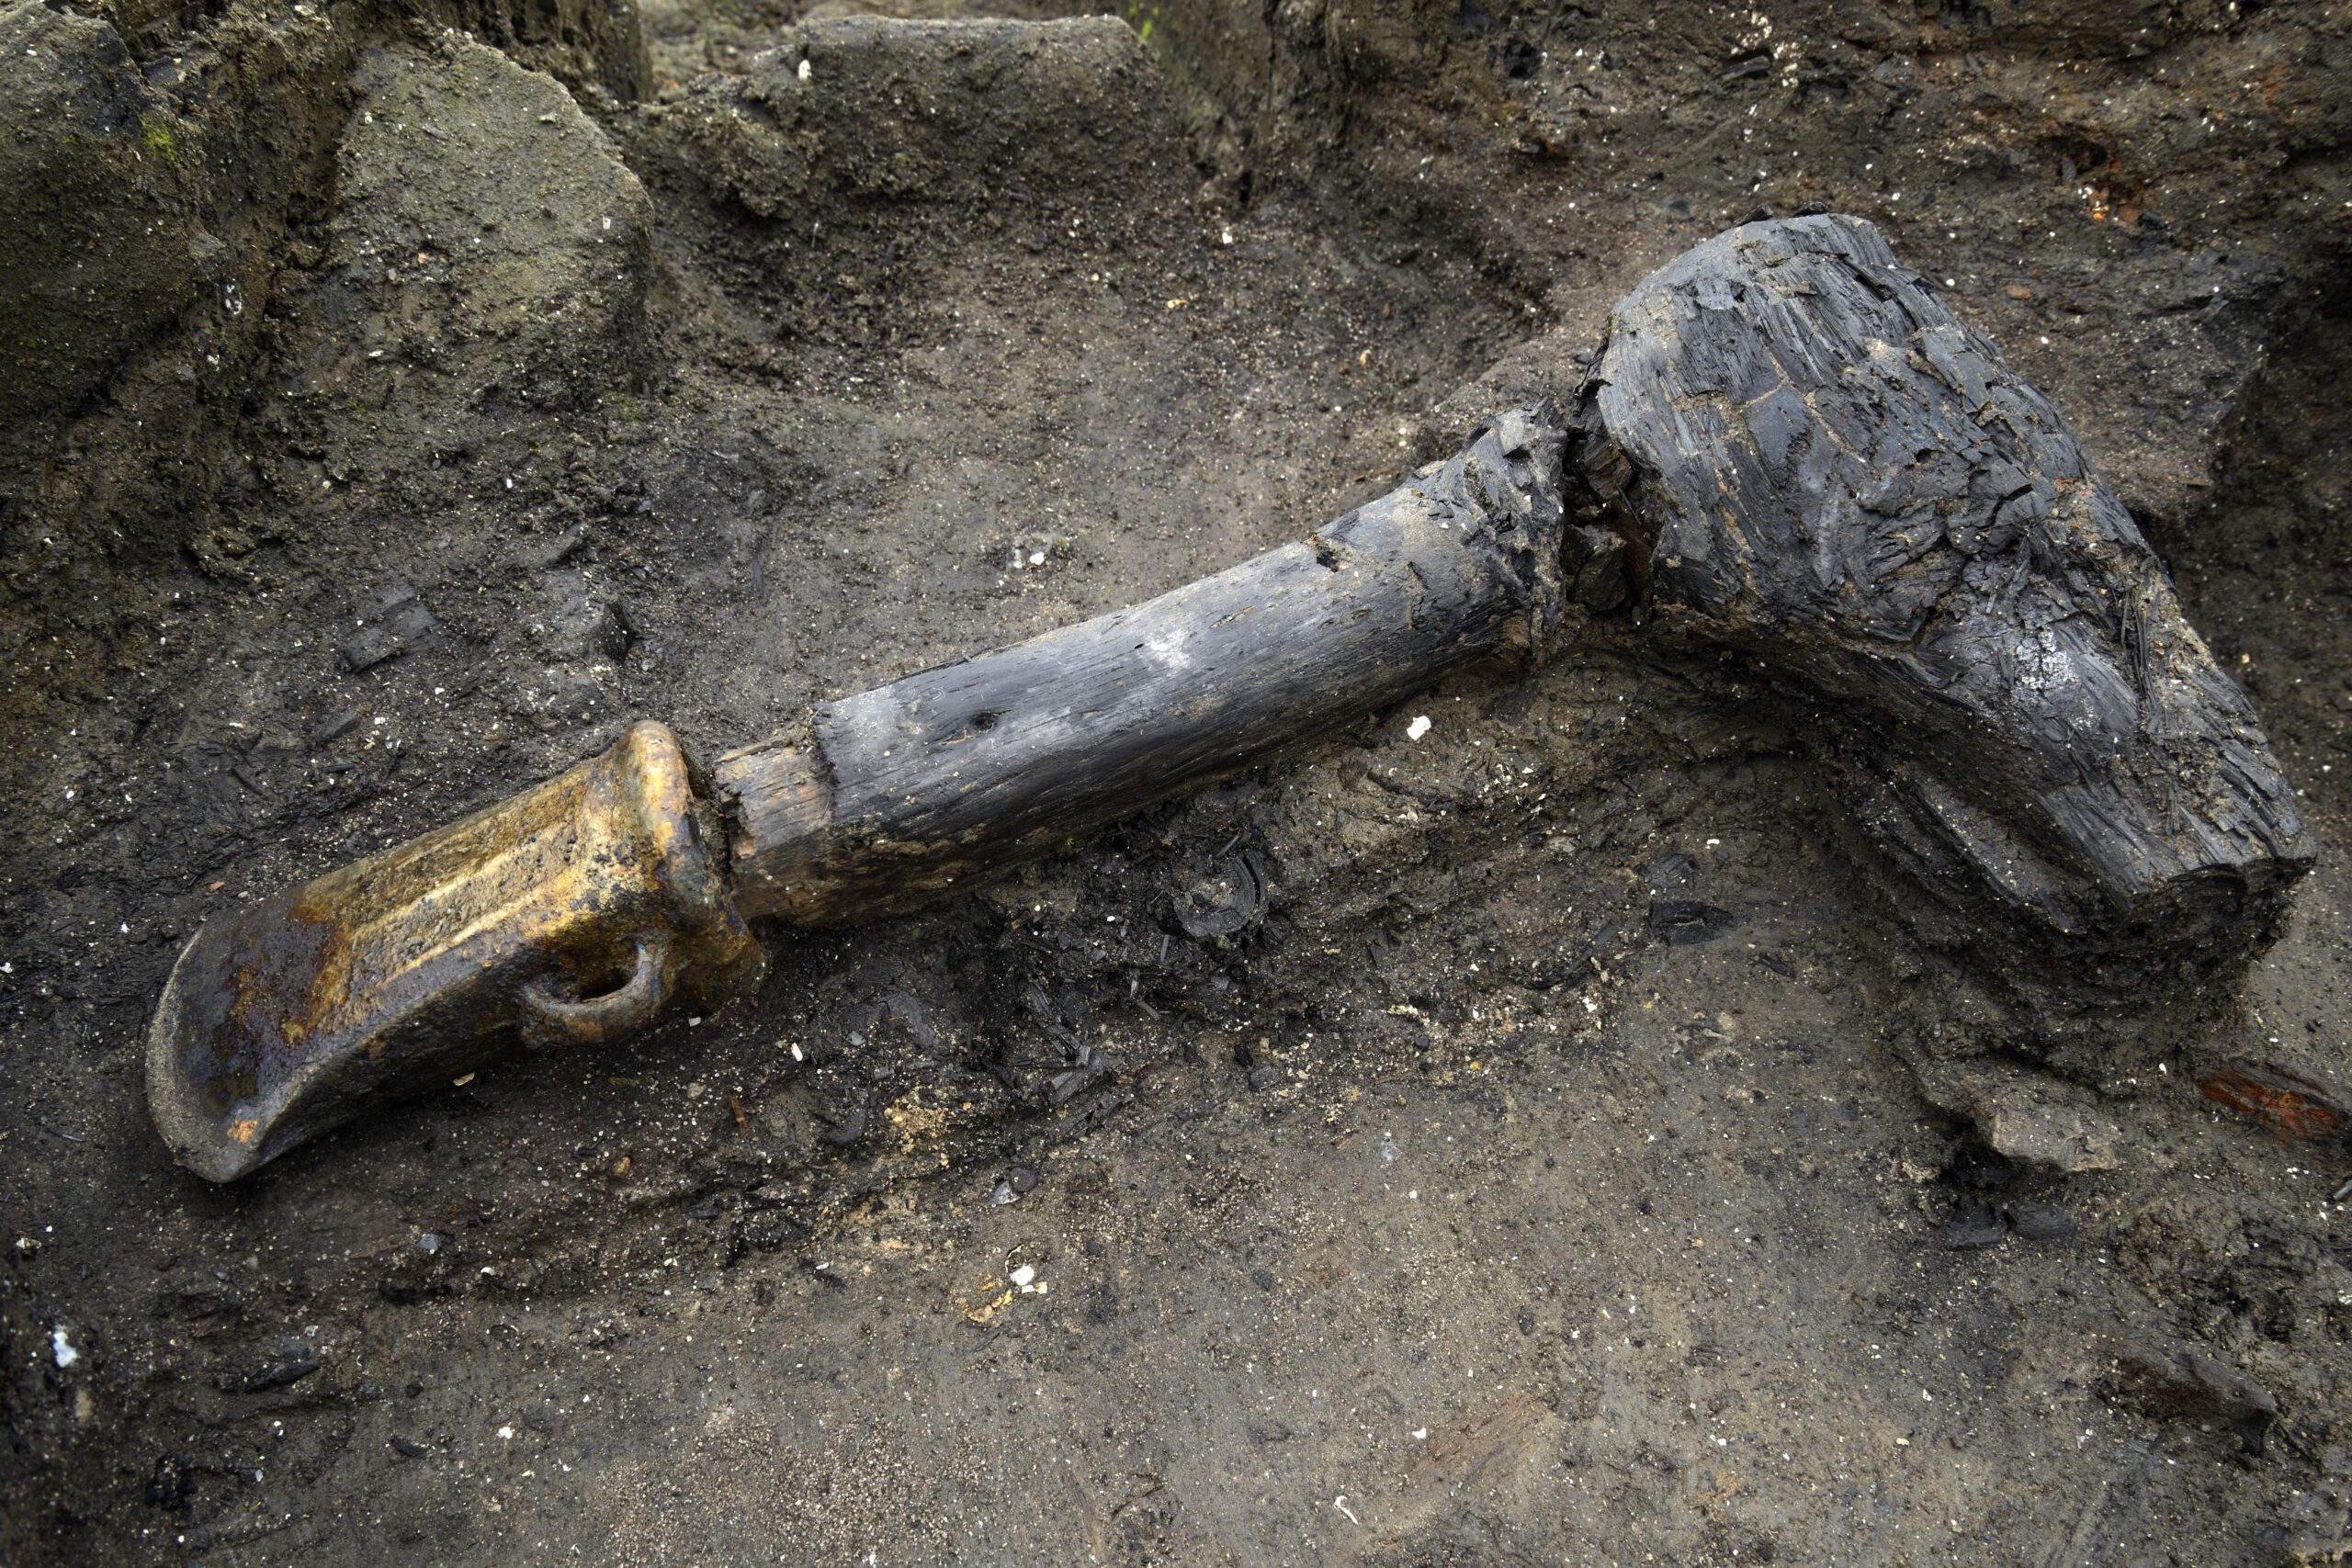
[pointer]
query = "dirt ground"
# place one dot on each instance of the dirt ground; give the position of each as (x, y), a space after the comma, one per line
(1577, 1156)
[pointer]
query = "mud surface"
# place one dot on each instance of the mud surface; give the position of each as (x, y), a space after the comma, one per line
(1535, 1139)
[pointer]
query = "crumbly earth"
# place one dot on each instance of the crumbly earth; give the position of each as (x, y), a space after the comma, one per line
(1531, 1138)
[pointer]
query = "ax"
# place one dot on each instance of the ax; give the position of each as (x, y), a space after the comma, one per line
(1788, 446)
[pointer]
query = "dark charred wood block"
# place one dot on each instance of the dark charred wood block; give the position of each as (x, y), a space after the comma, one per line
(1814, 461)
(897, 795)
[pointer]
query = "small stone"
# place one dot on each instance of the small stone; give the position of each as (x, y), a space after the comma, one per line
(1034, 551)
(564, 547)
(370, 646)
(2029, 1117)
(1600, 583)
(2050, 1131)
(616, 630)
(334, 727)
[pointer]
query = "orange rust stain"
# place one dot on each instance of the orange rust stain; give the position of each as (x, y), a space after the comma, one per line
(244, 1129)
(2287, 1108)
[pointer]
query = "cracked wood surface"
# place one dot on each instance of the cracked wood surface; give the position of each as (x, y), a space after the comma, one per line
(1815, 461)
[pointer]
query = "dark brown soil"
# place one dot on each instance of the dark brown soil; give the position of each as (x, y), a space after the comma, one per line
(1573, 1158)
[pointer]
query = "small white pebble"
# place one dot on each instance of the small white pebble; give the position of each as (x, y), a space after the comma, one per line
(1418, 727)
(1024, 1275)
(507, 1433)
(803, 70)
(62, 1348)
(1421, 1434)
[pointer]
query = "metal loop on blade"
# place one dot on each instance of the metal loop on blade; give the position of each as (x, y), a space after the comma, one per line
(551, 1018)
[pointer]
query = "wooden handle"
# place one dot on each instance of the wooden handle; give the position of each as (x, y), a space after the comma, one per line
(892, 797)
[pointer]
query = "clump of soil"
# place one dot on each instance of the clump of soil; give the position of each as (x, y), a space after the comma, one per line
(1519, 1135)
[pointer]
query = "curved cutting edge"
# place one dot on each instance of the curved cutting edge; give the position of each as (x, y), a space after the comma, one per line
(202, 1143)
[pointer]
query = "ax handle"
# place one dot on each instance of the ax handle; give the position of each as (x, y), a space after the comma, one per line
(890, 799)
(572, 912)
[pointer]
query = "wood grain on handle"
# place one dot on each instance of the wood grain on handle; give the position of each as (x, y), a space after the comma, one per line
(896, 796)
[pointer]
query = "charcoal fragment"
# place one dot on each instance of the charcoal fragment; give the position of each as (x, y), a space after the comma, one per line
(334, 727)
(1682, 921)
(1973, 1223)
(1223, 903)
(2041, 1222)
(173, 1484)
(292, 1363)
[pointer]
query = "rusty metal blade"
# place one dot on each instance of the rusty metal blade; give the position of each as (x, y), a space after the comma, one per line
(567, 914)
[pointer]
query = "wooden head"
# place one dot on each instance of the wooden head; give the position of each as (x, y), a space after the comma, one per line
(1809, 458)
